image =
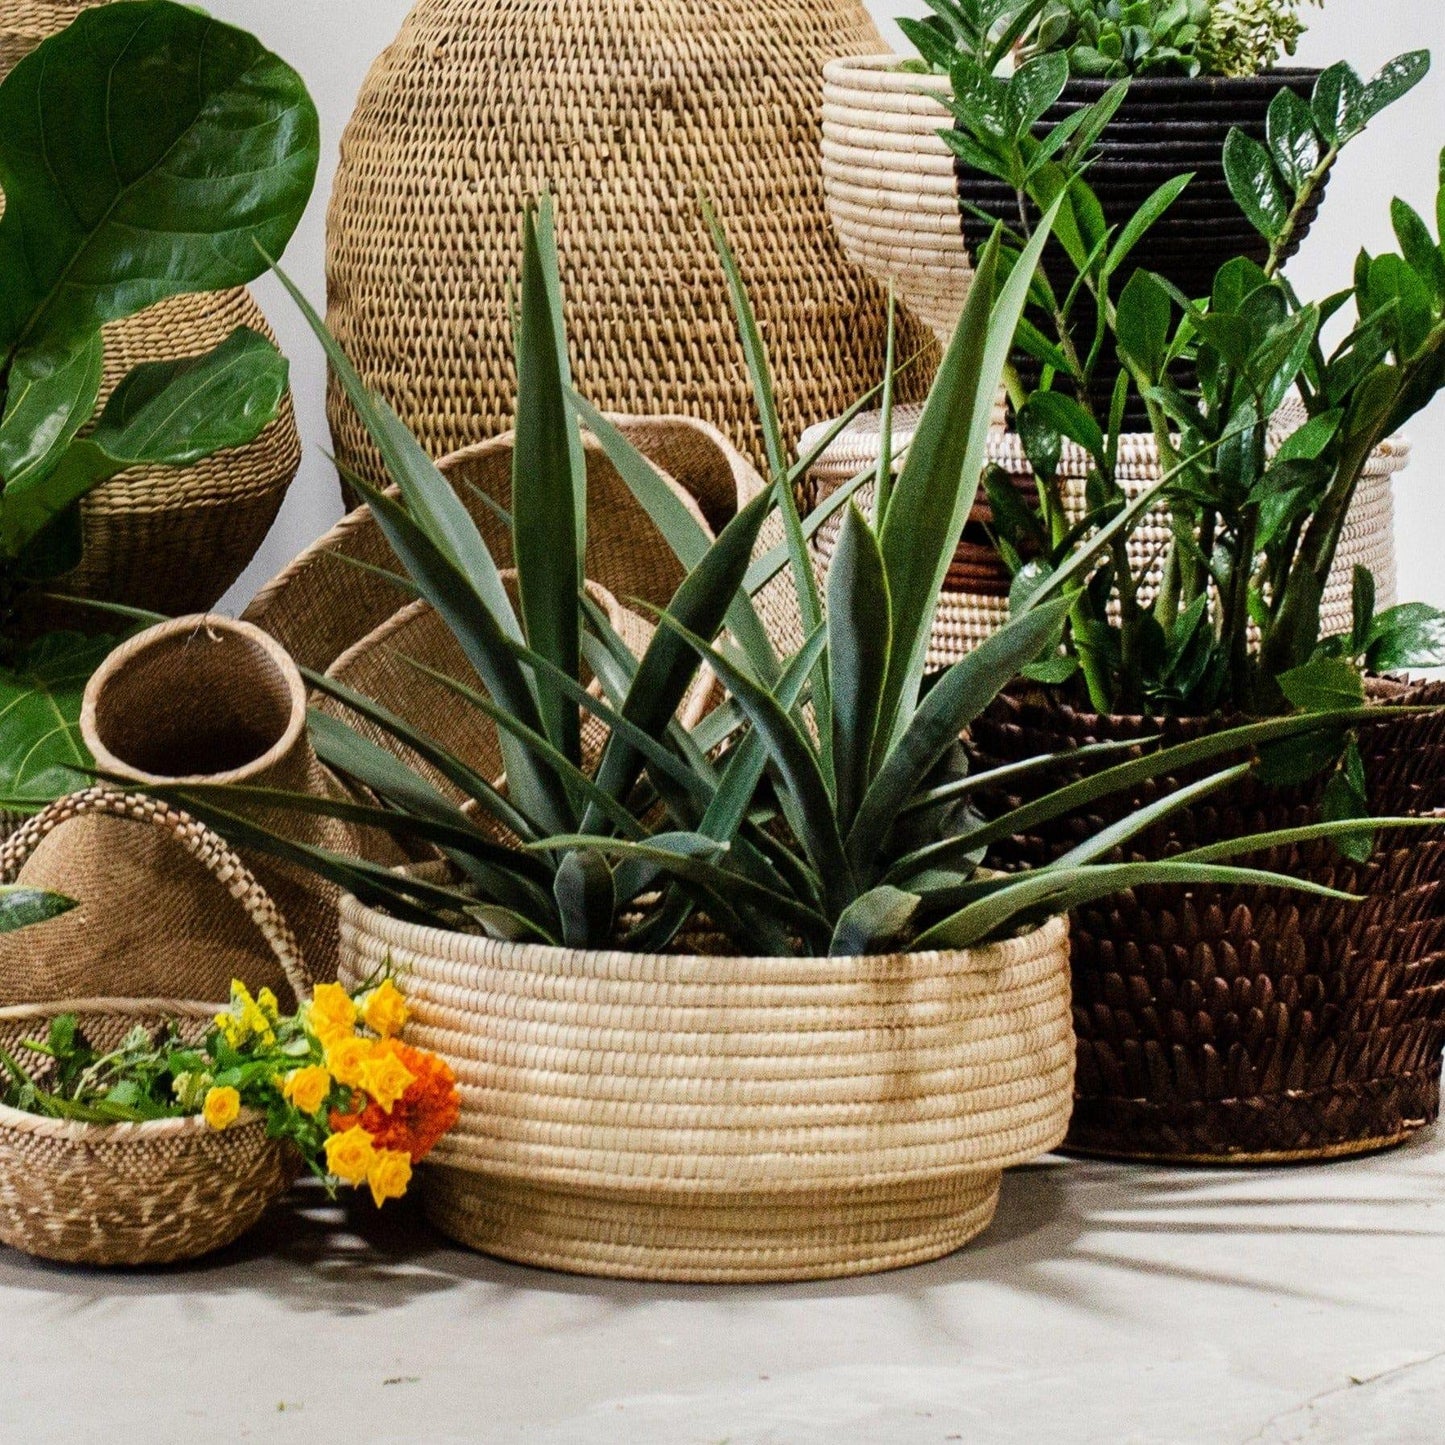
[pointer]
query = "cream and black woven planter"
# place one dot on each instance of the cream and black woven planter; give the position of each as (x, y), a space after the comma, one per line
(713, 1118)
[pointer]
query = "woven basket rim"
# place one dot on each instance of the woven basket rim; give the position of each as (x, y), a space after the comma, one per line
(881, 71)
(420, 938)
(19, 1121)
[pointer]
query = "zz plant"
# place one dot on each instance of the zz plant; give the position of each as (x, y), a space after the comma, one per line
(825, 807)
(145, 152)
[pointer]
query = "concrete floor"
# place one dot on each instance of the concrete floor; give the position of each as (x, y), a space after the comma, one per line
(1106, 1305)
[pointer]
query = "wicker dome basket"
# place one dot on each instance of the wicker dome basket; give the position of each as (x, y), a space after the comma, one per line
(625, 109)
(975, 603)
(712, 1118)
(169, 540)
(138, 1194)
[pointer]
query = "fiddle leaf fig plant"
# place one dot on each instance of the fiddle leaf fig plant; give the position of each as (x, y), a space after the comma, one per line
(26, 907)
(147, 151)
(826, 806)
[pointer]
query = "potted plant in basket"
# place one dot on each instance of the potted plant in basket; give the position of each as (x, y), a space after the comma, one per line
(89, 161)
(1150, 88)
(643, 1095)
(1239, 1023)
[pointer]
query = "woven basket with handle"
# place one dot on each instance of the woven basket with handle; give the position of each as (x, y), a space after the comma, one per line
(150, 1193)
(705, 1117)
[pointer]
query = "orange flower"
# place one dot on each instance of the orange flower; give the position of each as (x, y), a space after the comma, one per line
(428, 1108)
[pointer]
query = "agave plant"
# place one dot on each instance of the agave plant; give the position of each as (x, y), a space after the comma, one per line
(825, 807)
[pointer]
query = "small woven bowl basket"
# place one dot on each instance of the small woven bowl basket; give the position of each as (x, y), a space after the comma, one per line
(137, 1194)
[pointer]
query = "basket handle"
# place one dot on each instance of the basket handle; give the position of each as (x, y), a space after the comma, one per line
(205, 846)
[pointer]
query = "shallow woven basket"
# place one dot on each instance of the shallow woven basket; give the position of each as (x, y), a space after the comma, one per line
(138, 1194)
(1252, 1025)
(626, 110)
(713, 1118)
(975, 600)
(167, 539)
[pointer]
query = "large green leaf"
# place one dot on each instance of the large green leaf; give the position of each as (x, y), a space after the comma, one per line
(148, 150)
(165, 413)
(41, 754)
(48, 400)
(25, 907)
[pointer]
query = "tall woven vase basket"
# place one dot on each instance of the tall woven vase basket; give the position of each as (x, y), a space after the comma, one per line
(168, 540)
(626, 110)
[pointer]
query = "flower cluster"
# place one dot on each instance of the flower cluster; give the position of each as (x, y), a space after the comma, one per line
(362, 1107)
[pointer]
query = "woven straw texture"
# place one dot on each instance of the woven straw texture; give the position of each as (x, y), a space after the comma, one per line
(624, 110)
(1253, 1025)
(323, 603)
(975, 601)
(166, 539)
(138, 1194)
(714, 1118)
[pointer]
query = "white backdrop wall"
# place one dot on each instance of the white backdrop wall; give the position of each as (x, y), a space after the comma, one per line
(332, 43)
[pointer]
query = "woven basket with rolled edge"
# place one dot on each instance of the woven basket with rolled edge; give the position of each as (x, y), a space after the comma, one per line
(975, 603)
(138, 1194)
(166, 539)
(706, 1117)
(323, 603)
(625, 111)
(1252, 1025)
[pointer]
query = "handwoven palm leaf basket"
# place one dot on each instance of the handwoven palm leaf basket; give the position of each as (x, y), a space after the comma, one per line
(1252, 1025)
(137, 1194)
(626, 110)
(975, 600)
(714, 1118)
(167, 539)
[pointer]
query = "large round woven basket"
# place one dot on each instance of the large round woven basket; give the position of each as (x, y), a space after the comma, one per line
(713, 1118)
(975, 601)
(1252, 1025)
(626, 110)
(169, 540)
(138, 1194)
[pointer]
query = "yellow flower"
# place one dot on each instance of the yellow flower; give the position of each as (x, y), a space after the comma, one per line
(350, 1154)
(307, 1088)
(267, 1003)
(386, 1079)
(385, 1010)
(222, 1108)
(332, 1014)
(230, 1027)
(347, 1058)
(389, 1174)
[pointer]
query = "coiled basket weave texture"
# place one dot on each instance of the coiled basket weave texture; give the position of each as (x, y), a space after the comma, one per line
(625, 109)
(975, 600)
(1252, 1025)
(705, 1117)
(166, 539)
(151, 1193)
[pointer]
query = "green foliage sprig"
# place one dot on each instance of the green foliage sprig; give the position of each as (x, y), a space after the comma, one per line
(146, 151)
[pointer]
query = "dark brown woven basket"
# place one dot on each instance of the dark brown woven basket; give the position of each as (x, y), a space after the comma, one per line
(1252, 1025)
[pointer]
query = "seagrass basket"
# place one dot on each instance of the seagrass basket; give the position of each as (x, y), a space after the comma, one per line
(166, 539)
(1251, 1025)
(975, 599)
(703, 1117)
(626, 110)
(151, 1193)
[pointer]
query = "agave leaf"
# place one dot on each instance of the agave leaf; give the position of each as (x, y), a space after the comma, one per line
(24, 907)
(361, 762)
(549, 486)
(939, 482)
(878, 923)
(667, 669)
(586, 900)
(1288, 837)
(793, 755)
(959, 696)
(860, 640)
(1053, 893)
(481, 637)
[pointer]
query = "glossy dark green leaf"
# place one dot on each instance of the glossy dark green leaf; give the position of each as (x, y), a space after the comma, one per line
(149, 150)
(1255, 185)
(49, 398)
(1421, 251)
(1033, 88)
(1338, 102)
(1345, 800)
(1408, 636)
(1324, 685)
(1144, 322)
(25, 907)
(1362, 608)
(1144, 220)
(42, 756)
(1294, 142)
(1393, 82)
